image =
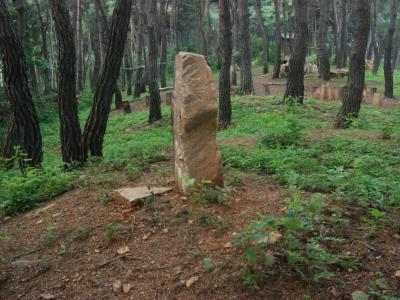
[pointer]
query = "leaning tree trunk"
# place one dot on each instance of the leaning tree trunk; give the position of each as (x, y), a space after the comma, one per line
(225, 33)
(26, 125)
(388, 67)
(278, 40)
(352, 93)
(323, 53)
(246, 77)
(70, 131)
(155, 99)
(264, 35)
(295, 77)
(97, 122)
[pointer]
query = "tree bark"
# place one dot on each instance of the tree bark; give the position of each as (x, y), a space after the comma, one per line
(278, 40)
(96, 48)
(44, 51)
(155, 99)
(25, 127)
(139, 76)
(295, 77)
(225, 33)
(323, 54)
(246, 77)
(163, 43)
(388, 67)
(352, 93)
(70, 131)
(97, 121)
(342, 46)
(264, 34)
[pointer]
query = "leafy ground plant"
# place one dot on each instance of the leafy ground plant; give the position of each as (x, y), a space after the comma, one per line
(293, 242)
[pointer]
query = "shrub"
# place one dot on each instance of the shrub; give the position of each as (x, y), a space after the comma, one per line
(20, 192)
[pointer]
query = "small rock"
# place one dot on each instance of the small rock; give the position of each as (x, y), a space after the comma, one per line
(96, 251)
(190, 221)
(132, 197)
(117, 286)
(39, 222)
(165, 230)
(191, 281)
(228, 245)
(47, 297)
(274, 237)
(123, 250)
(333, 290)
(146, 236)
(359, 295)
(397, 236)
(126, 287)
(397, 274)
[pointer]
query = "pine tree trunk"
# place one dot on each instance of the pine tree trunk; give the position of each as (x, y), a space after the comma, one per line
(388, 67)
(96, 48)
(225, 33)
(246, 77)
(264, 35)
(352, 93)
(155, 99)
(278, 40)
(323, 54)
(70, 131)
(342, 49)
(163, 43)
(25, 127)
(295, 77)
(97, 122)
(139, 76)
(44, 51)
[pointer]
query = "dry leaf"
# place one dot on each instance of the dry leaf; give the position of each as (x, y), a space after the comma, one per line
(191, 280)
(123, 250)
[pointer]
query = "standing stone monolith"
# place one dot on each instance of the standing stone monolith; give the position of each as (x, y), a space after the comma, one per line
(197, 154)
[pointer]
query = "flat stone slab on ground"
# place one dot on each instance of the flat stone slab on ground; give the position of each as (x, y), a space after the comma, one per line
(134, 196)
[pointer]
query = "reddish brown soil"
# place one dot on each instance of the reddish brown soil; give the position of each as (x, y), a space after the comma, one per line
(168, 239)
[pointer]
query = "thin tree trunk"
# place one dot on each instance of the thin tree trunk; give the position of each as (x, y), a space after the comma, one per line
(139, 76)
(295, 78)
(225, 33)
(342, 49)
(202, 32)
(70, 131)
(96, 47)
(246, 76)
(163, 43)
(389, 49)
(97, 122)
(155, 99)
(264, 34)
(352, 93)
(25, 127)
(278, 39)
(323, 54)
(44, 51)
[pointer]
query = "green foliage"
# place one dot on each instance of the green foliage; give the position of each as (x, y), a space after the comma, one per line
(20, 192)
(282, 132)
(112, 228)
(293, 242)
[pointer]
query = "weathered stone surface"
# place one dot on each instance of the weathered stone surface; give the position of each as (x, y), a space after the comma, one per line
(135, 196)
(378, 99)
(197, 153)
(328, 91)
